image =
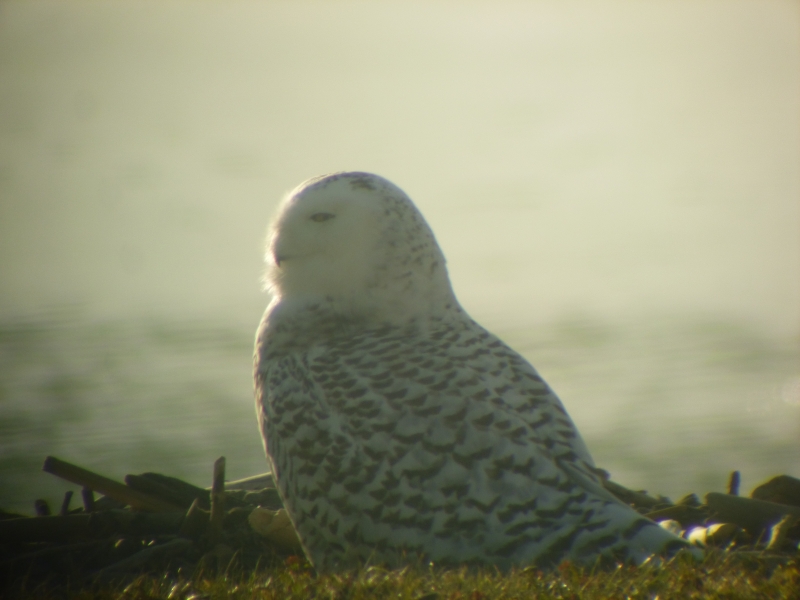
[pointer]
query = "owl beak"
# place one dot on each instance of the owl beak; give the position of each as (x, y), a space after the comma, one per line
(278, 258)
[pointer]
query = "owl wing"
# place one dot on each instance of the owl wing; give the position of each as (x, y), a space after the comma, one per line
(448, 446)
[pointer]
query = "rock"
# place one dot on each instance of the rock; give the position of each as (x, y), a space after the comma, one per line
(672, 526)
(718, 534)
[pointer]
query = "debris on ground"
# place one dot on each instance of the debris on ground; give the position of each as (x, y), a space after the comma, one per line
(153, 523)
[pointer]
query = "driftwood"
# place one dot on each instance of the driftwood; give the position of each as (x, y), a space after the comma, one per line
(50, 551)
(65, 503)
(172, 525)
(755, 516)
(733, 483)
(639, 500)
(86, 525)
(685, 515)
(217, 500)
(87, 496)
(254, 483)
(107, 487)
(174, 489)
(154, 489)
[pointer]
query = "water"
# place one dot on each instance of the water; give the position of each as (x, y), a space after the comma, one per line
(122, 397)
(669, 406)
(615, 187)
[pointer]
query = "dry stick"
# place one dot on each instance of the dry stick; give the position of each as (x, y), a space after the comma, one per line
(218, 500)
(88, 499)
(182, 489)
(631, 497)
(102, 523)
(753, 515)
(733, 483)
(51, 550)
(44, 529)
(685, 515)
(105, 486)
(65, 504)
(157, 490)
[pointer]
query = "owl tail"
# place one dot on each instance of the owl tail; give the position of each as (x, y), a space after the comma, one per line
(628, 536)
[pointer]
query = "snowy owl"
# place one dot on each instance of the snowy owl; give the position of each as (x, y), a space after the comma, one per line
(397, 428)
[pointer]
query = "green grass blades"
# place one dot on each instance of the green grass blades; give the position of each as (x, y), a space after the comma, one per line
(721, 575)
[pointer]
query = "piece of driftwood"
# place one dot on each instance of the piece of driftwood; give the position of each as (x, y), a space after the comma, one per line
(4, 514)
(87, 496)
(106, 486)
(253, 483)
(104, 539)
(44, 529)
(242, 524)
(637, 499)
(157, 490)
(59, 528)
(47, 552)
(217, 500)
(734, 479)
(683, 514)
(753, 515)
(65, 503)
(183, 492)
(266, 498)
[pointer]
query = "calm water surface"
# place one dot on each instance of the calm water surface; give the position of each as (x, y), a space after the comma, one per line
(669, 406)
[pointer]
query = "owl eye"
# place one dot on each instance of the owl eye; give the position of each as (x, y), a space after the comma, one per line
(321, 216)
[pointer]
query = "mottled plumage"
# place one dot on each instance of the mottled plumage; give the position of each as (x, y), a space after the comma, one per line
(395, 425)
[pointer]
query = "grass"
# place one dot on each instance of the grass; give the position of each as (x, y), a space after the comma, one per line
(721, 575)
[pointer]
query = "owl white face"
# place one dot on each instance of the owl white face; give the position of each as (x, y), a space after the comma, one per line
(325, 241)
(356, 241)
